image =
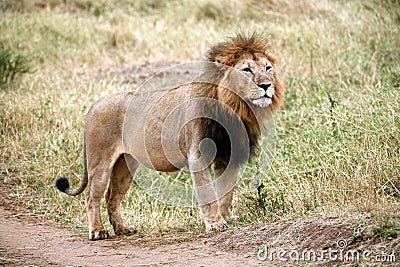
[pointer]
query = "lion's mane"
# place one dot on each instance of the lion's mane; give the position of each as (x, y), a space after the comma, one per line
(235, 112)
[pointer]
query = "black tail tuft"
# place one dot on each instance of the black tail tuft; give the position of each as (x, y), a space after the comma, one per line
(62, 184)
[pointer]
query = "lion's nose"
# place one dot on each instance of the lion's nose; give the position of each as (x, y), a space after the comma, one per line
(265, 86)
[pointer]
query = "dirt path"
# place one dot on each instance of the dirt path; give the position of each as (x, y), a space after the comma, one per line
(24, 242)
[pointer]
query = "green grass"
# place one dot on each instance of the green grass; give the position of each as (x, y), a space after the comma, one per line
(12, 67)
(388, 227)
(337, 138)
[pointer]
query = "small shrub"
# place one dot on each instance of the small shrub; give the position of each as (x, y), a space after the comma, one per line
(12, 66)
(209, 11)
(389, 227)
(150, 6)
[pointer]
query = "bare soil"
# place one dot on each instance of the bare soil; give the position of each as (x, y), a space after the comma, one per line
(26, 241)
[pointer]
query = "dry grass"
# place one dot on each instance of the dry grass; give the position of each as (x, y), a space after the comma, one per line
(338, 141)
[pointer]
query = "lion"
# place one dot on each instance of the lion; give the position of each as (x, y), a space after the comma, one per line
(218, 125)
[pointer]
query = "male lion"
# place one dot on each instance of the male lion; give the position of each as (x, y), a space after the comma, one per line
(215, 120)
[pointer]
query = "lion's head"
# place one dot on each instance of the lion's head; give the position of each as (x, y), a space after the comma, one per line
(250, 71)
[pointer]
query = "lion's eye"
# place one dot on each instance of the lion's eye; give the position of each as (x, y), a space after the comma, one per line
(268, 68)
(248, 70)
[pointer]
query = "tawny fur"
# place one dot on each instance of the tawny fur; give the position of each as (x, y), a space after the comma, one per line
(233, 102)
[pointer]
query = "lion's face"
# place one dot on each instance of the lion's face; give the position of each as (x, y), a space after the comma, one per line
(259, 75)
(250, 71)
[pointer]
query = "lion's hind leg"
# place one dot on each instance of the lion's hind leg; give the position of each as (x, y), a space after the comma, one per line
(121, 180)
(98, 179)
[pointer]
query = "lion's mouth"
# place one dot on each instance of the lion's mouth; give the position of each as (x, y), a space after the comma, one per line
(265, 98)
(264, 101)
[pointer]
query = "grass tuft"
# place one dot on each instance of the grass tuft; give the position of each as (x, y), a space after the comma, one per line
(388, 228)
(12, 66)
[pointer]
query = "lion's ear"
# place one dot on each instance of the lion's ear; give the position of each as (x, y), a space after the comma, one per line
(274, 59)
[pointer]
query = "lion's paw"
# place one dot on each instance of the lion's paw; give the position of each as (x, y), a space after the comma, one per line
(222, 224)
(126, 231)
(231, 218)
(98, 235)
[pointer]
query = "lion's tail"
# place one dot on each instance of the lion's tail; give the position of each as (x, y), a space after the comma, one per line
(62, 183)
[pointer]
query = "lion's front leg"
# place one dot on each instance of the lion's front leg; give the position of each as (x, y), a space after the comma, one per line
(208, 201)
(225, 181)
(201, 154)
(199, 162)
